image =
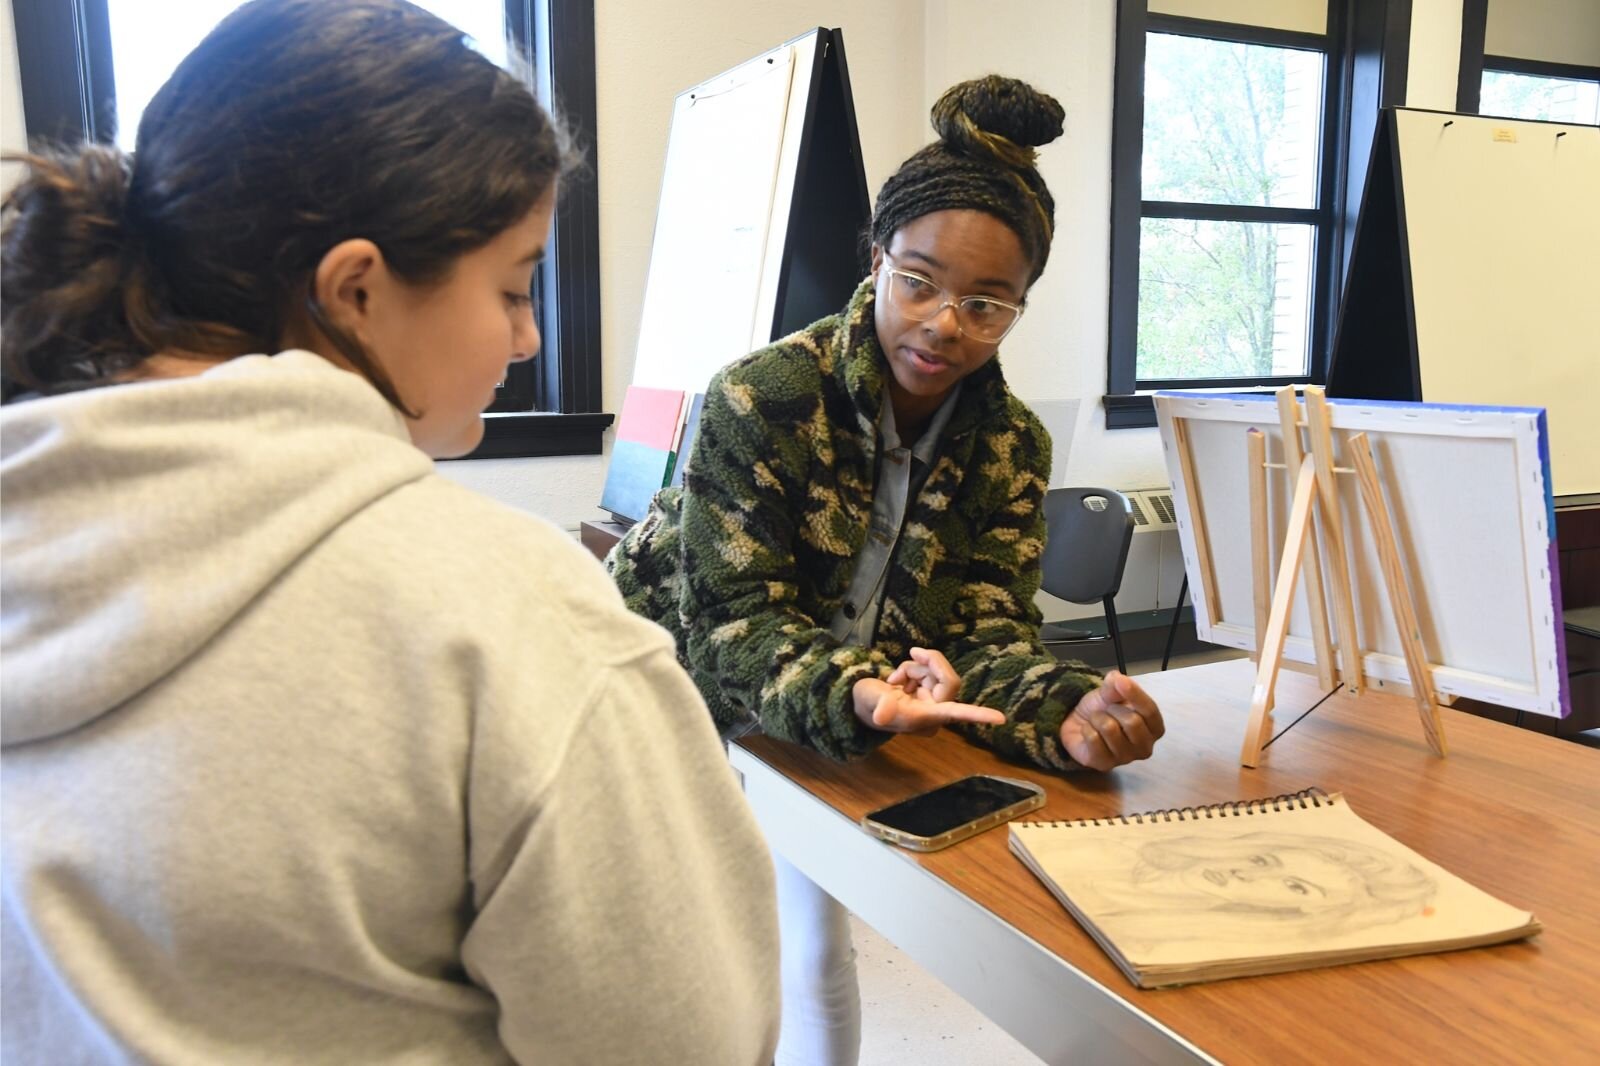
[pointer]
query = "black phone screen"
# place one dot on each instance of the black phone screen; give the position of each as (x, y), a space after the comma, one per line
(950, 806)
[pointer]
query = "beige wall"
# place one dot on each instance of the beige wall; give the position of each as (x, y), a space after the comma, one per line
(901, 54)
(1304, 16)
(1556, 31)
(1435, 55)
(1059, 350)
(13, 135)
(645, 54)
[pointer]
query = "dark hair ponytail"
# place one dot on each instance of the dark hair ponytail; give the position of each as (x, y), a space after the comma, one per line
(295, 125)
(64, 269)
(984, 160)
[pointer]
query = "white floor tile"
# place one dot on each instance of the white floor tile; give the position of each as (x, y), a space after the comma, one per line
(909, 1018)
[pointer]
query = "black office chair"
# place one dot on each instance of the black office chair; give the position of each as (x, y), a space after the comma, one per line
(1087, 533)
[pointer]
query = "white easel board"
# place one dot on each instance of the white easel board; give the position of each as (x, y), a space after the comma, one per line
(726, 192)
(1501, 239)
(1468, 490)
(1502, 232)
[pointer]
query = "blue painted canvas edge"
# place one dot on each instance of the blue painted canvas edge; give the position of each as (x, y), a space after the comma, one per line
(1554, 562)
(1267, 397)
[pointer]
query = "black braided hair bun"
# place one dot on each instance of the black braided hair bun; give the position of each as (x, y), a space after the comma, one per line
(974, 116)
(984, 160)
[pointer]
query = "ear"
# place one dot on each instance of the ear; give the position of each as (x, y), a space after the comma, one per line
(344, 282)
(877, 257)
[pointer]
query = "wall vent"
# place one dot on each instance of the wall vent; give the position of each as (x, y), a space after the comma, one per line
(1152, 510)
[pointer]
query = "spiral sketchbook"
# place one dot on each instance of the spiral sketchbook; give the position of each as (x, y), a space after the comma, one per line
(1256, 887)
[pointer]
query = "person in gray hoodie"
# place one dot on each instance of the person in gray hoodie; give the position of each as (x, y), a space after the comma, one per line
(310, 755)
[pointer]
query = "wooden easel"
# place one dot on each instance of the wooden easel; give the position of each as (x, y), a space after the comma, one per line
(1316, 502)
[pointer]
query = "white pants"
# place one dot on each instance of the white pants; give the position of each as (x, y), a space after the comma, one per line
(821, 999)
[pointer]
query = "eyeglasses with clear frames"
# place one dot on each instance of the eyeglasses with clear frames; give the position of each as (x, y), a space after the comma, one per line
(983, 318)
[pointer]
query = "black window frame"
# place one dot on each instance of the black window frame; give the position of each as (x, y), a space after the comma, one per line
(1540, 68)
(548, 406)
(1127, 401)
(1368, 44)
(1474, 61)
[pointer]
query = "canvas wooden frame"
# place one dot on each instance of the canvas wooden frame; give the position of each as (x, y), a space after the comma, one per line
(1468, 491)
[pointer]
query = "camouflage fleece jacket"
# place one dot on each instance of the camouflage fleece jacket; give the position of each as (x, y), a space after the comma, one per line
(748, 563)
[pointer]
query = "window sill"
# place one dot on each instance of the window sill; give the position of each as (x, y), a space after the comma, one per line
(1137, 411)
(524, 436)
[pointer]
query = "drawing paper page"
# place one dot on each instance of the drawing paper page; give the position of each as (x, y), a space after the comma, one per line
(1271, 883)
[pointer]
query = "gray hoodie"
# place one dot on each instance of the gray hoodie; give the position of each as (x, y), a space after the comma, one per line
(312, 756)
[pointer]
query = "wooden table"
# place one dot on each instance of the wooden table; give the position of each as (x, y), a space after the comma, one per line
(600, 536)
(1511, 811)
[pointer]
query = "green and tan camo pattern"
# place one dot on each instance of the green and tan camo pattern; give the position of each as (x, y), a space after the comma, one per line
(748, 563)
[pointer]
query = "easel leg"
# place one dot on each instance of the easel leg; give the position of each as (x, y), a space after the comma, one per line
(1259, 731)
(1260, 549)
(1400, 599)
(1316, 602)
(1207, 593)
(1319, 423)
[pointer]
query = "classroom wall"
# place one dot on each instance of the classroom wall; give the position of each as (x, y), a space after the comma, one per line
(1059, 349)
(902, 54)
(645, 54)
(1556, 31)
(1058, 352)
(1434, 60)
(13, 134)
(1303, 16)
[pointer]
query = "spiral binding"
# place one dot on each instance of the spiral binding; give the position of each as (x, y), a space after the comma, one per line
(1305, 798)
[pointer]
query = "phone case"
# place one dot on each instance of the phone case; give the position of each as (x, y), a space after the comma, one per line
(967, 829)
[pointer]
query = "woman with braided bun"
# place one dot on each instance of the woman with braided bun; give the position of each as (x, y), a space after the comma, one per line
(856, 548)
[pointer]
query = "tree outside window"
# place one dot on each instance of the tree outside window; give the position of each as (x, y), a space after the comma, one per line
(1223, 295)
(1515, 95)
(90, 67)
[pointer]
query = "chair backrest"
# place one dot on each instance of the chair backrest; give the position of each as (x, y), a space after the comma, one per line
(1087, 532)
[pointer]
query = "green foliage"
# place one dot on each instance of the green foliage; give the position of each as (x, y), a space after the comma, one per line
(1205, 298)
(1530, 96)
(1222, 125)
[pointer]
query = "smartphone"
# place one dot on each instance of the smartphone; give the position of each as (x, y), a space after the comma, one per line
(953, 812)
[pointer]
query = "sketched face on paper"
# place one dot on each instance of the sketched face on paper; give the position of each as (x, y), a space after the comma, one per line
(1295, 878)
(1199, 887)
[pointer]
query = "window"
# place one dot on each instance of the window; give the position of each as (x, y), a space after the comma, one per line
(1228, 227)
(147, 50)
(1510, 87)
(1223, 244)
(1518, 88)
(89, 69)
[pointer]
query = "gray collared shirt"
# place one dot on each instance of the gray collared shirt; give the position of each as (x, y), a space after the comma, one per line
(901, 474)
